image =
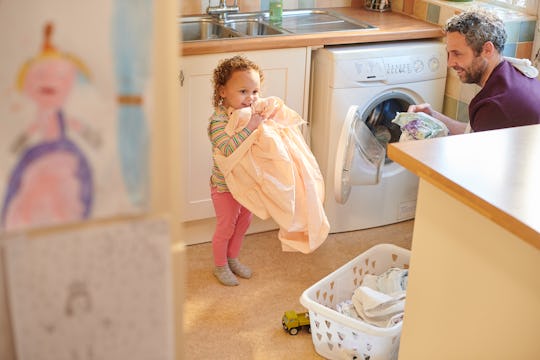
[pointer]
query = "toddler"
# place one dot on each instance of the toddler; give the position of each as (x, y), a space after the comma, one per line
(237, 83)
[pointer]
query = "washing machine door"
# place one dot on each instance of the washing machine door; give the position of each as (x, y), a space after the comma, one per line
(367, 130)
(359, 157)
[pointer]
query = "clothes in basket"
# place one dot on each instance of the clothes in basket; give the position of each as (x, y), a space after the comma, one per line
(337, 336)
(380, 300)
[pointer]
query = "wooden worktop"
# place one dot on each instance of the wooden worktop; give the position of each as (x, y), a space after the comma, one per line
(497, 173)
(391, 26)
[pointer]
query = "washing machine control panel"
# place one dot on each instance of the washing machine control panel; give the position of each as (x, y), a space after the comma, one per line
(411, 65)
(396, 69)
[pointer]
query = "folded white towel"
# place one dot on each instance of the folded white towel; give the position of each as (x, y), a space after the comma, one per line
(380, 300)
(377, 308)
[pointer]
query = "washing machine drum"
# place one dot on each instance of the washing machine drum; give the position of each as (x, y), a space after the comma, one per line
(361, 151)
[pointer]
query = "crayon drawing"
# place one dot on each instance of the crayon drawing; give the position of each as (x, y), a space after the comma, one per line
(74, 104)
(52, 181)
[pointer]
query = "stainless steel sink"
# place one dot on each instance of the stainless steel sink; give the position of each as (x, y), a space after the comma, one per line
(253, 27)
(254, 24)
(205, 29)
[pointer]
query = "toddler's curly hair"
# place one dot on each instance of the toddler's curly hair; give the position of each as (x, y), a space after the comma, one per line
(225, 69)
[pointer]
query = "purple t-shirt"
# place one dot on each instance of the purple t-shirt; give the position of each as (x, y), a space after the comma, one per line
(508, 99)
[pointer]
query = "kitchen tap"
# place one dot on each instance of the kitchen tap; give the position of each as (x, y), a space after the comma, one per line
(222, 9)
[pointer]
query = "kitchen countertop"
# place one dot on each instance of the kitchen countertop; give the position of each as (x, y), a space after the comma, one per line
(473, 284)
(391, 26)
(496, 173)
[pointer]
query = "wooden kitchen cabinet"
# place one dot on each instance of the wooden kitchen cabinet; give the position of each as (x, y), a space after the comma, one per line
(286, 75)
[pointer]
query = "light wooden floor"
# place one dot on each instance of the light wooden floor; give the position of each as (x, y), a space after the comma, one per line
(244, 322)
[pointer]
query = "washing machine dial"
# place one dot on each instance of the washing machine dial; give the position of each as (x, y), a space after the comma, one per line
(418, 66)
(434, 64)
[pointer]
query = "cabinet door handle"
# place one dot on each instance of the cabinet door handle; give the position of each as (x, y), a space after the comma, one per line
(181, 78)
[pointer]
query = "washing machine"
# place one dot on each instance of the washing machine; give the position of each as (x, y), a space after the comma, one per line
(356, 92)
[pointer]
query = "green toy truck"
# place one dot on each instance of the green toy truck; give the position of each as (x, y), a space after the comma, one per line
(292, 321)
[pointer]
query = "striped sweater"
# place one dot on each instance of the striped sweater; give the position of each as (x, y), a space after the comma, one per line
(223, 142)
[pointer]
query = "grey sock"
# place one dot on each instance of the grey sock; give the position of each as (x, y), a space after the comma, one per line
(225, 276)
(239, 269)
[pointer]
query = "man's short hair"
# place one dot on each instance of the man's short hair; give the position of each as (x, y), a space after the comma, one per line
(478, 26)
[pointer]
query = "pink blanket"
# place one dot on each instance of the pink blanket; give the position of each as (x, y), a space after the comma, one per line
(274, 174)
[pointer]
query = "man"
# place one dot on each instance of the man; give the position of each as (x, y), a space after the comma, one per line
(510, 94)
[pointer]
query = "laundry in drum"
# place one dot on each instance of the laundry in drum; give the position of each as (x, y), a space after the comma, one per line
(374, 116)
(418, 126)
(382, 134)
(390, 108)
(380, 121)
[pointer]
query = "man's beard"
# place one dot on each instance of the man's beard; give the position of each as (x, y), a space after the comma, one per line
(473, 74)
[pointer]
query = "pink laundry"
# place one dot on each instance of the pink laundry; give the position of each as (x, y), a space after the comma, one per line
(274, 174)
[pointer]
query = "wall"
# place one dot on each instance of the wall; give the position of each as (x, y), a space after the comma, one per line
(519, 26)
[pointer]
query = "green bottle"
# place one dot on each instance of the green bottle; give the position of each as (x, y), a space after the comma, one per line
(276, 10)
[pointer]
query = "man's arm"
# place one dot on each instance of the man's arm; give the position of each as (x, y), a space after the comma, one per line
(454, 127)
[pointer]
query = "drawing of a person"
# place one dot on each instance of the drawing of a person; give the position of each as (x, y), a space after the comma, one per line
(52, 181)
(78, 310)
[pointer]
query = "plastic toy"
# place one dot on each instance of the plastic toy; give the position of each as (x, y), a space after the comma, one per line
(292, 321)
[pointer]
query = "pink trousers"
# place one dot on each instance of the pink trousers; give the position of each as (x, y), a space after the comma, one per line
(233, 221)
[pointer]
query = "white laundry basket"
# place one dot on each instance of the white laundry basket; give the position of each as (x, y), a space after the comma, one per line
(337, 336)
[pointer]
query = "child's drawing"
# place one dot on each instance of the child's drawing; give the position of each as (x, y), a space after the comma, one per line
(81, 320)
(75, 99)
(100, 293)
(52, 181)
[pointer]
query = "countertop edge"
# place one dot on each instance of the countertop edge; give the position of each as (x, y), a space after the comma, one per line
(498, 216)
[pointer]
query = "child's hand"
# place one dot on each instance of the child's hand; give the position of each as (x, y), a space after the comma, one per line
(255, 121)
